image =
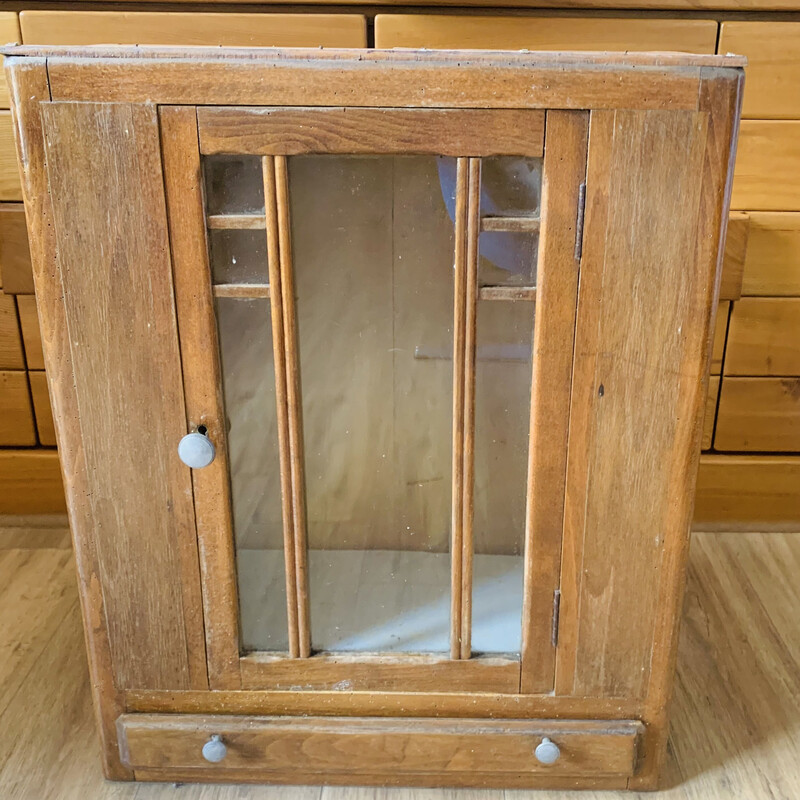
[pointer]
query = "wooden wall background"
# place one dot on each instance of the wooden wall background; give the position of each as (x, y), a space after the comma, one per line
(750, 470)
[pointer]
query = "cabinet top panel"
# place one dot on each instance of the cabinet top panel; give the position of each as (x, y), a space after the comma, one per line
(379, 78)
(576, 59)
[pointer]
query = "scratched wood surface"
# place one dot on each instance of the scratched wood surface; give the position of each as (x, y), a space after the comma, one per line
(119, 311)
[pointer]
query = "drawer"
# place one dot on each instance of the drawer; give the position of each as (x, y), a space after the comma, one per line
(544, 33)
(720, 331)
(317, 747)
(30, 482)
(767, 166)
(759, 414)
(9, 30)
(773, 66)
(31, 333)
(772, 261)
(15, 255)
(10, 186)
(16, 414)
(41, 408)
(253, 30)
(12, 355)
(736, 239)
(764, 337)
(710, 413)
(747, 492)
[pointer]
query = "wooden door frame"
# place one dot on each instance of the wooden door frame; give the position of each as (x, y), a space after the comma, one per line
(273, 133)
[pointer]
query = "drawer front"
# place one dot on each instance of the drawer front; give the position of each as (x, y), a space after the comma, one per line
(12, 355)
(720, 331)
(773, 66)
(544, 33)
(42, 409)
(764, 337)
(16, 414)
(767, 166)
(9, 30)
(252, 30)
(31, 332)
(710, 414)
(751, 492)
(15, 255)
(772, 260)
(327, 746)
(10, 187)
(759, 414)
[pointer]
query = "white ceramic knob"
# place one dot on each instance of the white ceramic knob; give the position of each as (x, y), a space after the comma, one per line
(547, 752)
(214, 749)
(196, 450)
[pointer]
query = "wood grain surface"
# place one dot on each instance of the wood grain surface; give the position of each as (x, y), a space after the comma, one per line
(109, 198)
(545, 33)
(294, 131)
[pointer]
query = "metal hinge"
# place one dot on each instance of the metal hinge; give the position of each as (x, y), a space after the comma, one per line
(579, 223)
(556, 609)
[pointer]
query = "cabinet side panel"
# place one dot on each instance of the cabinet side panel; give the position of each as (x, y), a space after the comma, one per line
(28, 85)
(641, 361)
(109, 217)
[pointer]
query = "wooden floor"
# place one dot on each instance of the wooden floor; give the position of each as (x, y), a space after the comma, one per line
(736, 718)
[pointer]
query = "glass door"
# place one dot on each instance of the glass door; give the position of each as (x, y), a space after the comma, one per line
(373, 308)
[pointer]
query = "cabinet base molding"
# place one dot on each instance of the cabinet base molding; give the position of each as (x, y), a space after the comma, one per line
(416, 751)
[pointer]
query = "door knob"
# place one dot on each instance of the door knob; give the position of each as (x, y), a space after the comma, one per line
(214, 749)
(196, 450)
(547, 752)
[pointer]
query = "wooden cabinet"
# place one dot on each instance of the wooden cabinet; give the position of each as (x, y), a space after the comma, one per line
(379, 383)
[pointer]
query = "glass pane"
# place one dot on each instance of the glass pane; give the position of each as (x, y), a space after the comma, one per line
(511, 186)
(507, 259)
(248, 380)
(238, 256)
(373, 253)
(502, 421)
(234, 184)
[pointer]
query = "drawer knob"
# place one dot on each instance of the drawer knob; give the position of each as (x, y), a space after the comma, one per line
(214, 749)
(547, 752)
(196, 450)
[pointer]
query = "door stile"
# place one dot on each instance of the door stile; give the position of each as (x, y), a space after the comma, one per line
(199, 352)
(459, 310)
(468, 469)
(294, 406)
(284, 440)
(565, 160)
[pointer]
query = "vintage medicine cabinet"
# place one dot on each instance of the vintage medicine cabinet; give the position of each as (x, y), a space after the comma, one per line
(378, 379)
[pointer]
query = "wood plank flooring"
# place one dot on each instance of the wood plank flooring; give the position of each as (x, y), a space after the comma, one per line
(736, 717)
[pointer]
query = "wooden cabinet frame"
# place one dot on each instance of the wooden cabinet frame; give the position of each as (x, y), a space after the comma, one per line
(625, 297)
